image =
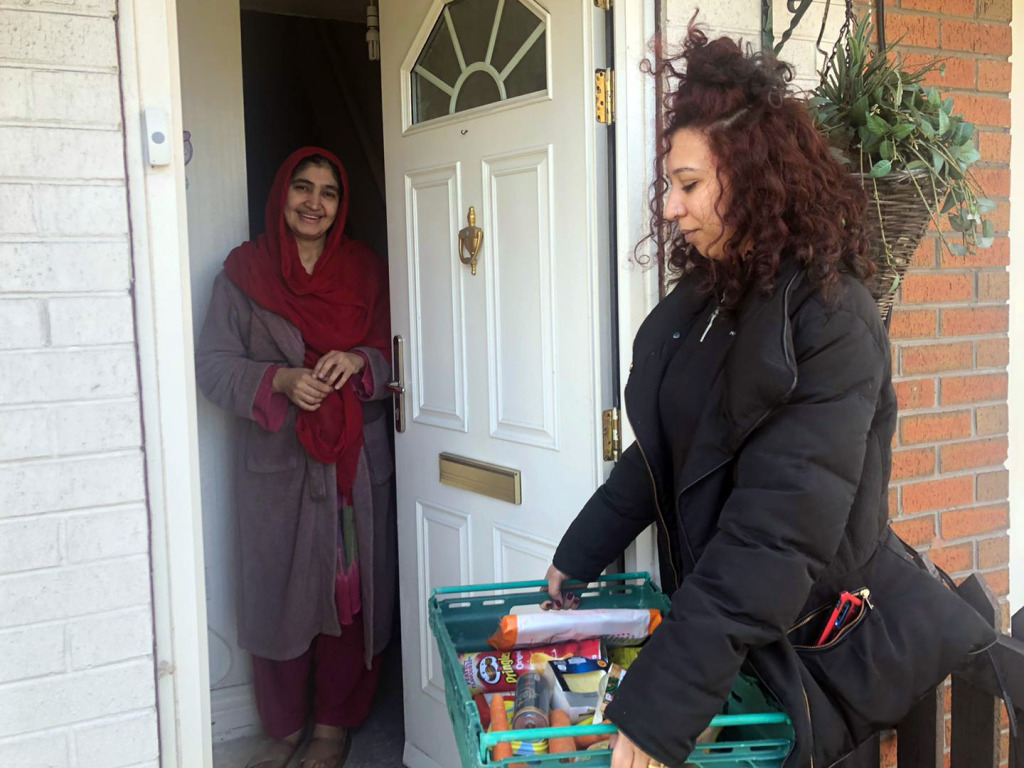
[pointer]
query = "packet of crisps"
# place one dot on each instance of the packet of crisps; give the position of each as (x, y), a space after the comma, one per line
(617, 626)
(498, 672)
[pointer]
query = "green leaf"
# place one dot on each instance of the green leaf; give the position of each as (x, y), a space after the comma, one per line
(956, 249)
(887, 150)
(984, 242)
(937, 161)
(988, 228)
(933, 97)
(917, 165)
(985, 205)
(877, 125)
(943, 123)
(970, 156)
(947, 105)
(926, 128)
(881, 168)
(902, 130)
(859, 111)
(956, 221)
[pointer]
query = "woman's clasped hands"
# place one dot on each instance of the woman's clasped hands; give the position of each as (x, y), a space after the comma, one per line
(308, 388)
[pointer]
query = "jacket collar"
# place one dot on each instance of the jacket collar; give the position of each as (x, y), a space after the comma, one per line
(760, 372)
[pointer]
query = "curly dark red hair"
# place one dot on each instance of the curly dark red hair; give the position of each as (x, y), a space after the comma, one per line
(789, 196)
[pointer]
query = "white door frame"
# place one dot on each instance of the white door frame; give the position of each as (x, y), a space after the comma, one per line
(157, 215)
(163, 315)
(1015, 389)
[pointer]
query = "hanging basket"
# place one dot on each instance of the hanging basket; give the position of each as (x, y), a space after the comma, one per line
(900, 212)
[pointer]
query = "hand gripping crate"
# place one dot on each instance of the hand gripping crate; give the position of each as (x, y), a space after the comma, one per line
(755, 733)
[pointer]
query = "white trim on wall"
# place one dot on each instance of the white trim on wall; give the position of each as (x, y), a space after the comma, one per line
(1015, 463)
(635, 146)
(163, 316)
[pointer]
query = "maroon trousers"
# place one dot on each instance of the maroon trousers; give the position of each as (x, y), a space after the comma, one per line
(330, 678)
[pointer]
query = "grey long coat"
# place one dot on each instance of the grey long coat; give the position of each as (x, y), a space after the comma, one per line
(287, 501)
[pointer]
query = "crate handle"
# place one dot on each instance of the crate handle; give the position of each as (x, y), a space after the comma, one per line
(538, 584)
(491, 738)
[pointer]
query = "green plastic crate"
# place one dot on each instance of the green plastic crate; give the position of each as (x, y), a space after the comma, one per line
(756, 734)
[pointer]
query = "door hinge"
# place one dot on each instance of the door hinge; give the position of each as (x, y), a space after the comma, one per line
(604, 5)
(612, 434)
(604, 96)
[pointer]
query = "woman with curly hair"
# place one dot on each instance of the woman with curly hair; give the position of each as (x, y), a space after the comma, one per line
(761, 398)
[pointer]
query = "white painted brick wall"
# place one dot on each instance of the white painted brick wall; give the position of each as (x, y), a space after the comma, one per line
(57, 39)
(77, 682)
(29, 544)
(742, 19)
(31, 652)
(91, 321)
(44, 750)
(132, 738)
(56, 266)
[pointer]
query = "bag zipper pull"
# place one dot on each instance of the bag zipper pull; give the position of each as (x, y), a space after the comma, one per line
(711, 321)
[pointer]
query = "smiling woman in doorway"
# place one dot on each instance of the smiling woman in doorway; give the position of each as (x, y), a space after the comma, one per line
(296, 344)
(762, 402)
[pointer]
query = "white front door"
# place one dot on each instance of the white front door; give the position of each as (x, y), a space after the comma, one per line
(489, 104)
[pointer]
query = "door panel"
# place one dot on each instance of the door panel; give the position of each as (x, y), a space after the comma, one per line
(437, 339)
(503, 366)
(521, 299)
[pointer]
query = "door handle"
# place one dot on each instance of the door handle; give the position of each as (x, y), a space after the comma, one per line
(471, 239)
(397, 385)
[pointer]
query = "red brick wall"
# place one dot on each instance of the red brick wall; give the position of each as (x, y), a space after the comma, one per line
(949, 330)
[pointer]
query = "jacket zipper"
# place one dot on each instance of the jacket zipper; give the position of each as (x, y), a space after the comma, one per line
(711, 321)
(657, 506)
(863, 593)
(764, 415)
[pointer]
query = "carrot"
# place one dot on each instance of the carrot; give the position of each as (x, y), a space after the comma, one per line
(582, 742)
(499, 722)
(560, 719)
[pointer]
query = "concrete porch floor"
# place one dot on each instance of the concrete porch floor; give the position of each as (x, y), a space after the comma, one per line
(378, 744)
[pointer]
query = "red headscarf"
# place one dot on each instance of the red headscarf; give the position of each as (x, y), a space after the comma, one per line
(343, 304)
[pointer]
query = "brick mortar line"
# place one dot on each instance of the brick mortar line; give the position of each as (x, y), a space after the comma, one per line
(72, 455)
(63, 181)
(65, 514)
(40, 66)
(50, 347)
(76, 13)
(50, 125)
(108, 400)
(49, 569)
(954, 304)
(77, 567)
(924, 342)
(81, 457)
(66, 672)
(51, 296)
(60, 624)
(951, 476)
(71, 401)
(113, 346)
(62, 730)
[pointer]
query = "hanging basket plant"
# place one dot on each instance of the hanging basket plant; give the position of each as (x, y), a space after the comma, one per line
(910, 150)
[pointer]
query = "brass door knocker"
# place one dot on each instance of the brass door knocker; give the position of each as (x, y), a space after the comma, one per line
(471, 238)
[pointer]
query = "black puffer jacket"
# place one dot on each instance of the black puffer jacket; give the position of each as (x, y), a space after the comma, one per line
(780, 506)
